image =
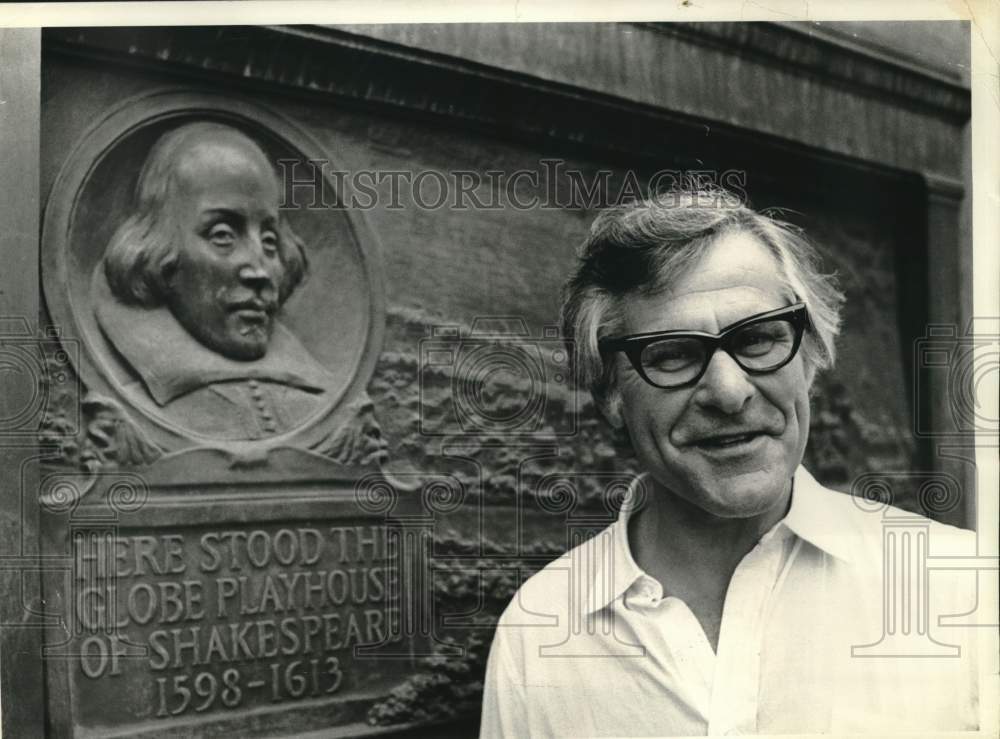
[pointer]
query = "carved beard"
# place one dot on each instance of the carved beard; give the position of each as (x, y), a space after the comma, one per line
(230, 319)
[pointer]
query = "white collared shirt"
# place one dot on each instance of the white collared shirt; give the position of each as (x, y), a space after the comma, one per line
(811, 641)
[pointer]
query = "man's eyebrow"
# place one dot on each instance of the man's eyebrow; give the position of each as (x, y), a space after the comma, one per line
(208, 213)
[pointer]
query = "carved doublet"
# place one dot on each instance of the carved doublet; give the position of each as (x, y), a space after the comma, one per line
(245, 409)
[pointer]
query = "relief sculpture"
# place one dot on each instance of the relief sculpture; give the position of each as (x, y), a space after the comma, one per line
(191, 285)
(222, 569)
(213, 310)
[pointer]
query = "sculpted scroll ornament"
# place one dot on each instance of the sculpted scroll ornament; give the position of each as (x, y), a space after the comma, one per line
(111, 438)
(359, 443)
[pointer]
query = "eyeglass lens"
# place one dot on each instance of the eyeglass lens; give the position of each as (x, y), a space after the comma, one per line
(759, 346)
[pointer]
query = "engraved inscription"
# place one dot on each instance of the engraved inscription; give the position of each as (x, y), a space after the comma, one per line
(201, 620)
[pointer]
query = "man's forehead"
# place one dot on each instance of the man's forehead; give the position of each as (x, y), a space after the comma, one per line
(736, 276)
(733, 259)
(221, 153)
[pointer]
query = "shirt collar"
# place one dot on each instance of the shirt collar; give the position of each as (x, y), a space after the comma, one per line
(815, 516)
(818, 517)
(614, 569)
(171, 362)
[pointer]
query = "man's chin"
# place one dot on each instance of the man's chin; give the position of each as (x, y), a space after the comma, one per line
(244, 349)
(248, 341)
(743, 496)
(235, 338)
(249, 352)
(739, 498)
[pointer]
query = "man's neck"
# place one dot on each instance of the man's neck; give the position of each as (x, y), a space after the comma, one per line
(670, 525)
(692, 553)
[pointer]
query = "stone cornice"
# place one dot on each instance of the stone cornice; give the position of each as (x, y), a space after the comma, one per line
(663, 120)
(817, 54)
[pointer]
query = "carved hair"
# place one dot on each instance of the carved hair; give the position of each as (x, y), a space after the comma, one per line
(644, 246)
(144, 250)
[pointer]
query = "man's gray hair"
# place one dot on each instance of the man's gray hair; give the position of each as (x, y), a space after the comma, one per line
(644, 246)
(143, 251)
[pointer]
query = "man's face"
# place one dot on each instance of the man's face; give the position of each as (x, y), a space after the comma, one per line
(224, 203)
(680, 435)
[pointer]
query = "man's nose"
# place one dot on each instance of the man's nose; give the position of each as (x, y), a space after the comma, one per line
(725, 386)
(253, 270)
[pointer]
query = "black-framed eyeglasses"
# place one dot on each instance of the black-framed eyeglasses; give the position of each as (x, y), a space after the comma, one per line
(675, 359)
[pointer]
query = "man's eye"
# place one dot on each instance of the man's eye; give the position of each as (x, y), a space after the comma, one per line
(672, 354)
(221, 235)
(269, 242)
(760, 340)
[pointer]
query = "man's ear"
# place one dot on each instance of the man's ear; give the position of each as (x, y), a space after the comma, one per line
(611, 408)
(810, 372)
(167, 269)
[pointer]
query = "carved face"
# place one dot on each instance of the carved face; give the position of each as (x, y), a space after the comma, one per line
(224, 288)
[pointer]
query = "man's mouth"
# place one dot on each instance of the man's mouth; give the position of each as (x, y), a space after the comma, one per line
(252, 311)
(734, 441)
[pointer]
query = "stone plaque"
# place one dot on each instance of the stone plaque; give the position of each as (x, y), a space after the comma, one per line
(253, 606)
(226, 556)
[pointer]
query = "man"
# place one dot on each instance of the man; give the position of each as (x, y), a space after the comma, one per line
(734, 594)
(191, 284)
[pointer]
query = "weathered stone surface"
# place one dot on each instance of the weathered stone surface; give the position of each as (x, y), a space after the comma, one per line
(239, 609)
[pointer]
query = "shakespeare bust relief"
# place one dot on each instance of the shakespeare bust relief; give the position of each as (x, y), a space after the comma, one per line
(190, 289)
(212, 310)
